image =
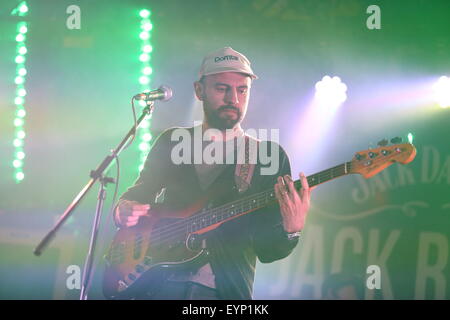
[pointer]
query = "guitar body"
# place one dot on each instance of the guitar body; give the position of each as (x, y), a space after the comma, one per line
(140, 256)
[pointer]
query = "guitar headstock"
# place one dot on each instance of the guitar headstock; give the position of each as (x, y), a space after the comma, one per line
(370, 162)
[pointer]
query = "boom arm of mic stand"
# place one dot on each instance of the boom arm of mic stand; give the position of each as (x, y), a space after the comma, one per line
(95, 175)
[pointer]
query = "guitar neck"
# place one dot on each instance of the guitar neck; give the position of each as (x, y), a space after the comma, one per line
(248, 204)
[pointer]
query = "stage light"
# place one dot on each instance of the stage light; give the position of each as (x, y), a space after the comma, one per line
(20, 37)
(20, 176)
(22, 72)
(147, 71)
(143, 146)
(331, 91)
(144, 13)
(144, 80)
(18, 142)
(144, 136)
(21, 134)
(21, 10)
(147, 137)
(17, 163)
(18, 101)
(19, 80)
(442, 92)
(19, 59)
(144, 35)
(147, 48)
(21, 113)
(144, 57)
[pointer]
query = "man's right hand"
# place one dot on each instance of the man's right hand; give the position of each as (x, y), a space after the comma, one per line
(128, 213)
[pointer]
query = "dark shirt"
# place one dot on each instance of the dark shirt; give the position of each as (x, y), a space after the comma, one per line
(234, 245)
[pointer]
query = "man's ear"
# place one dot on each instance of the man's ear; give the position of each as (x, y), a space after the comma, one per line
(199, 90)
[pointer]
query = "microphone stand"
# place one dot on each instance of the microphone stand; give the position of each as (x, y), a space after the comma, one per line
(96, 175)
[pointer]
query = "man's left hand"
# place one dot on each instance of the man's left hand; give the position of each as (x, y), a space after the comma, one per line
(294, 205)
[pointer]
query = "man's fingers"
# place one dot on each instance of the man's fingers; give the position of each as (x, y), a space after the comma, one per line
(139, 213)
(132, 218)
(280, 191)
(140, 207)
(305, 191)
(290, 186)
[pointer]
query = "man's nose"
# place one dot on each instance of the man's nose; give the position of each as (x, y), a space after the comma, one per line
(231, 97)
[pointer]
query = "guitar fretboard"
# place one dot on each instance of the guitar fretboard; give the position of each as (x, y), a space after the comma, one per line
(256, 201)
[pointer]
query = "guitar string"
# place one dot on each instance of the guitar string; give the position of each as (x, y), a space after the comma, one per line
(172, 231)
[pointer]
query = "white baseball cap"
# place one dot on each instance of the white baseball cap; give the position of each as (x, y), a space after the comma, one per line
(226, 60)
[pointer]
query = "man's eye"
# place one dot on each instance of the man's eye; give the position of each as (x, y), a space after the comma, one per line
(243, 91)
(220, 89)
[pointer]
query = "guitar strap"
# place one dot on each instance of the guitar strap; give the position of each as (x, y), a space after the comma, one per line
(243, 173)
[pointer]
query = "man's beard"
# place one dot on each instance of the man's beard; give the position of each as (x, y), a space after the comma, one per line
(216, 121)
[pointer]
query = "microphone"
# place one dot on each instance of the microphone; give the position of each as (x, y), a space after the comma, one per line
(163, 93)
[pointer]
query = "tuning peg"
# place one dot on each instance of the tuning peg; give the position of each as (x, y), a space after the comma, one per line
(396, 140)
(383, 142)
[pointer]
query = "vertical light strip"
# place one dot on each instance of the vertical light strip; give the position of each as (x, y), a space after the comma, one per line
(19, 120)
(144, 135)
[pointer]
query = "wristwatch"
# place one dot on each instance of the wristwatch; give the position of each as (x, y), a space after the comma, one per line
(293, 235)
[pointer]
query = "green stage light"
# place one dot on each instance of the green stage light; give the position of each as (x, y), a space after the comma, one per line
(147, 71)
(147, 137)
(19, 59)
(22, 72)
(20, 176)
(144, 80)
(147, 26)
(144, 57)
(144, 35)
(18, 101)
(20, 37)
(147, 48)
(22, 28)
(143, 146)
(19, 80)
(18, 142)
(23, 8)
(17, 163)
(21, 134)
(144, 13)
(21, 113)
